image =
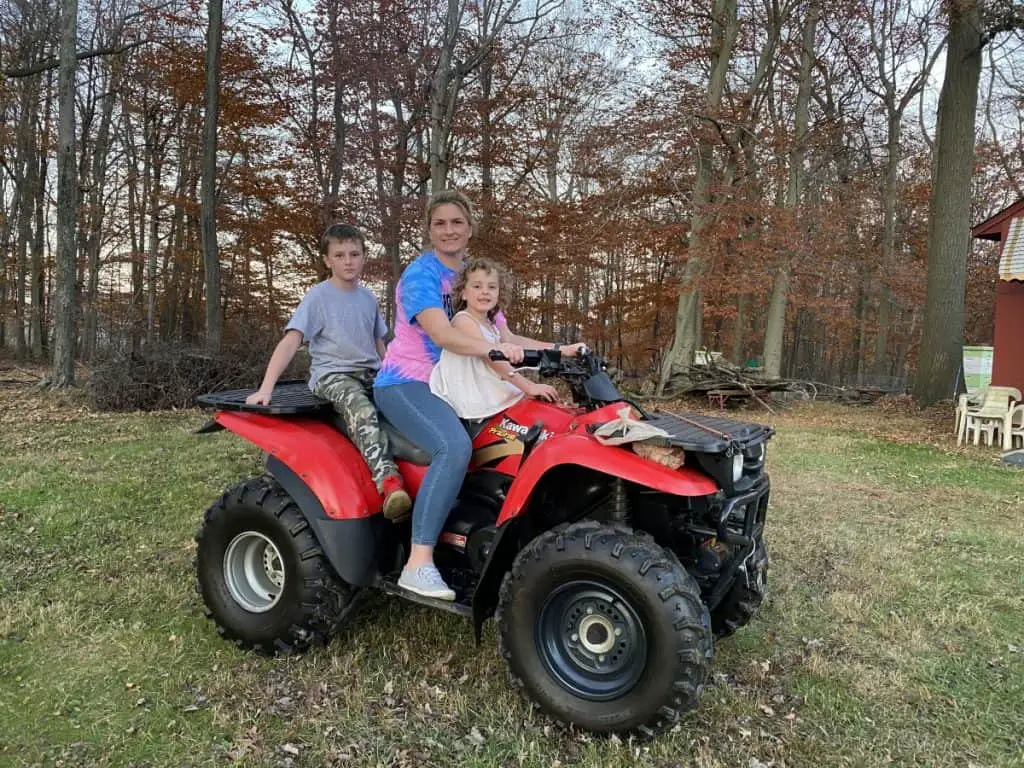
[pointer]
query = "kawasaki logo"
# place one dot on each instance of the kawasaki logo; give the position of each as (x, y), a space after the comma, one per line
(511, 426)
(520, 429)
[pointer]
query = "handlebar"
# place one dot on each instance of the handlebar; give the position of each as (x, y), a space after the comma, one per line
(531, 357)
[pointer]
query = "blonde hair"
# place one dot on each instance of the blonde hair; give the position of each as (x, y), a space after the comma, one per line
(487, 266)
(449, 197)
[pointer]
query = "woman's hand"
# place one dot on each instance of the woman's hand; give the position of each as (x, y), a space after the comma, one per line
(572, 350)
(513, 352)
(258, 398)
(542, 392)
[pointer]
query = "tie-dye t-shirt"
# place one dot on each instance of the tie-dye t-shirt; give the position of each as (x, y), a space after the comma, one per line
(412, 355)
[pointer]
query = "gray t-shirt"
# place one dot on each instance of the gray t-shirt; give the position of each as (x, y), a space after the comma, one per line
(341, 327)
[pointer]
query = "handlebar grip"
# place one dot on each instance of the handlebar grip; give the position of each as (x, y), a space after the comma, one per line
(531, 357)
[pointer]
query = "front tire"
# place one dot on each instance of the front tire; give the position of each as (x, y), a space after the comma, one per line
(743, 600)
(605, 630)
(265, 582)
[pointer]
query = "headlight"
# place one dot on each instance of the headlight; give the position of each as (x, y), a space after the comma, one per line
(737, 467)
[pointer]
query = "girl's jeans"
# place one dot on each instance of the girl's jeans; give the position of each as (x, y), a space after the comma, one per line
(433, 426)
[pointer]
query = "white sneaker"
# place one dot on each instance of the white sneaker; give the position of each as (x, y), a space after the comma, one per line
(426, 580)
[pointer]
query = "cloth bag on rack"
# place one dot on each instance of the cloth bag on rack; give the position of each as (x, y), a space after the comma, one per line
(644, 438)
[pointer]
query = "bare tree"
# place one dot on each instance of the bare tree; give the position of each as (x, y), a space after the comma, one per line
(775, 322)
(949, 213)
(689, 313)
(451, 72)
(65, 321)
(208, 215)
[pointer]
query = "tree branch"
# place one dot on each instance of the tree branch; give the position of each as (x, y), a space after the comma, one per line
(51, 63)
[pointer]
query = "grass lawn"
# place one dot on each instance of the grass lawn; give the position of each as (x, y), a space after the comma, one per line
(894, 634)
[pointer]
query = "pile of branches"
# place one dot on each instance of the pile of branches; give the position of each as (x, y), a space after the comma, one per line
(168, 376)
(720, 375)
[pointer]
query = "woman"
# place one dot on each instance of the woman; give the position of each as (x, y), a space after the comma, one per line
(402, 391)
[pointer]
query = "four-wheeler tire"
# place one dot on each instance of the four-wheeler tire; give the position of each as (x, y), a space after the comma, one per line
(743, 601)
(262, 575)
(604, 629)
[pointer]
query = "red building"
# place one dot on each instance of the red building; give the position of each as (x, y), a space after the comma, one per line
(1007, 228)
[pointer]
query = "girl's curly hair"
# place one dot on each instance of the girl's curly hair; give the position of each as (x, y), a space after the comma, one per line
(488, 266)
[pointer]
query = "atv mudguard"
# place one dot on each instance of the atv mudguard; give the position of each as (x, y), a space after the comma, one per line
(582, 450)
(318, 453)
(326, 476)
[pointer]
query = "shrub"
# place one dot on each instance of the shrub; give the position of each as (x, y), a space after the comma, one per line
(164, 376)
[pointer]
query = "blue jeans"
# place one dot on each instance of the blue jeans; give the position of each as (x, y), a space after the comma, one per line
(433, 426)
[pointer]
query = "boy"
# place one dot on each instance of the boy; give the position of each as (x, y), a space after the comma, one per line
(345, 329)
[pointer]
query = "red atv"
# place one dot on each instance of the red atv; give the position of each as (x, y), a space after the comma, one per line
(610, 574)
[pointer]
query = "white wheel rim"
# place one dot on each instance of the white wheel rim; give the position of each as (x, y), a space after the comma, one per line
(254, 572)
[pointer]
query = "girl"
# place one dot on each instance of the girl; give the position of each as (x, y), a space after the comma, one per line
(478, 387)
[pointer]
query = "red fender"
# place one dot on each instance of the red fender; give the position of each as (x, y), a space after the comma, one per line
(584, 451)
(324, 458)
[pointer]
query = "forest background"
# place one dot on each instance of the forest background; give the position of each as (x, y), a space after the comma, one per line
(658, 176)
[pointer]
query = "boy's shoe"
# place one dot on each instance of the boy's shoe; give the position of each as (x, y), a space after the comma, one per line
(397, 502)
(426, 580)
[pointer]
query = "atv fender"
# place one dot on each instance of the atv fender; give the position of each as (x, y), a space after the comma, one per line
(351, 546)
(504, 549)
(318, 454)
(584, 451)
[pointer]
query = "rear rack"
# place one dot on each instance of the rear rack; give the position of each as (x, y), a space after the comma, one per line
(290, 398)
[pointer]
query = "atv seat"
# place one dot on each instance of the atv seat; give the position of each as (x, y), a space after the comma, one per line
(473, 426)
(293, 398)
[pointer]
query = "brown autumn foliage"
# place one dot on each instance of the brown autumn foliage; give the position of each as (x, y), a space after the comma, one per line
(576, 135)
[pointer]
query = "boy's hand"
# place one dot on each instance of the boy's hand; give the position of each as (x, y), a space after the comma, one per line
(542, 392)
(258, 398)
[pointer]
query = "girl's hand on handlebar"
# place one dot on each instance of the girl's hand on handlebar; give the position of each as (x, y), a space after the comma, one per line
(572, 350)
(542, 392)
(512, 352)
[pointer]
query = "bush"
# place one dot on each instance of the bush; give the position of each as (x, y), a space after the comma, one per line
(165, 376)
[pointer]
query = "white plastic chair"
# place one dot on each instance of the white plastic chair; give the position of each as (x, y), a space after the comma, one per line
(1013, 427)
(990, 418)
(965, 404)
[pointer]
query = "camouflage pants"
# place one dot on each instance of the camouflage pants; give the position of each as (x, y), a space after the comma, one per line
(351, 395)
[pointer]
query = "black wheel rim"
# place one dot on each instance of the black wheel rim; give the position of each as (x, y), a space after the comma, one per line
(591, 640)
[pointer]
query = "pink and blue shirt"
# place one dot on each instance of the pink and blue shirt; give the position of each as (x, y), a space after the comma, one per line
(412, 355)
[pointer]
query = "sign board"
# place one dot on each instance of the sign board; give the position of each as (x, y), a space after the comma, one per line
(977, 368)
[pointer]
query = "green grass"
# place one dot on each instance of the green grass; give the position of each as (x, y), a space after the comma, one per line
(894, 636)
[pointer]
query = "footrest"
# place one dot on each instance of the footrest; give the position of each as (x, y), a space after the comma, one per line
(456, 607)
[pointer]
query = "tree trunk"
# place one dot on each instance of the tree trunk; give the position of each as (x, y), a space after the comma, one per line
(442, 98)
(96, 214)
(688, 309)
(154, 169)
(208, 223)
(949, 210)
(37, 284)
(67, 203)
(740, 329)
(337, 158)
(775, 323)
(889, 192)
(486, 137)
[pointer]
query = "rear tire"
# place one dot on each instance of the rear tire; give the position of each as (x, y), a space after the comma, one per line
(743, 601)
(604, 629)
(265, 582)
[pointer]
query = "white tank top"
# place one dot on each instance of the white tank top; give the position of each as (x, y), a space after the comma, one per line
(468, 384)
